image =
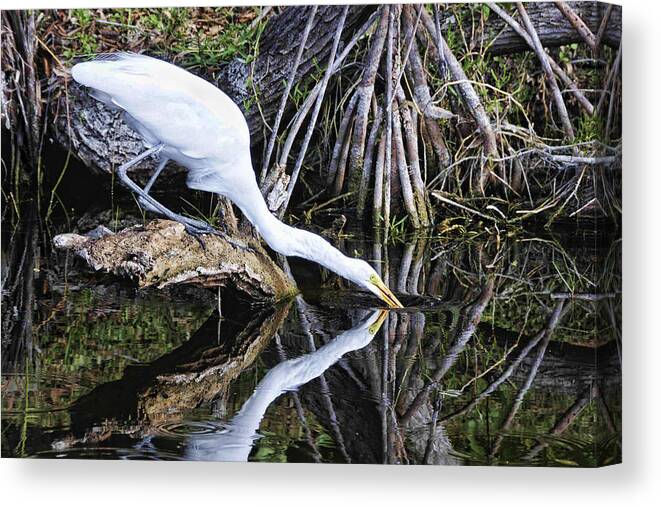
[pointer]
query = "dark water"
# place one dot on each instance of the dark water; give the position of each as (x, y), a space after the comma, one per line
(490, 363)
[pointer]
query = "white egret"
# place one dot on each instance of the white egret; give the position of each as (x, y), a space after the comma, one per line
(184, 118)
(236, 442)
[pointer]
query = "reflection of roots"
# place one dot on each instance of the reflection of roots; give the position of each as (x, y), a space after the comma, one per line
(426, 351)
(427, 442)
(18, 297)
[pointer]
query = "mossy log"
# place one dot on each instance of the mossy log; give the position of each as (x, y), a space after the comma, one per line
(162, 253)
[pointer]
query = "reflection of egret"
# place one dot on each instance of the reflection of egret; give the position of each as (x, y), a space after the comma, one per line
(236, 441)
(186, 119)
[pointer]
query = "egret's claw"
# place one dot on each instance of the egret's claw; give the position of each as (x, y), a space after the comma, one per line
(235, 243)
(196, 231)
(197, 234)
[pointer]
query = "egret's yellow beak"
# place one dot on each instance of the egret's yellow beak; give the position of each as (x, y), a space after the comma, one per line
(378, 322)
(385, 293)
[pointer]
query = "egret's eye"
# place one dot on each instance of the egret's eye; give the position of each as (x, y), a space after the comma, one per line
(384, 292)
(377, 324)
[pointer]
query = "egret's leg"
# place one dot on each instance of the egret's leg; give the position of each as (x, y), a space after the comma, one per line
(157, 172)
(194, 227)
(202, 227)
(149, 207)
(150, 183)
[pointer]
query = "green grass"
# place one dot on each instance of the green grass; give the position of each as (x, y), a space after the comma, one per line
(195, 37)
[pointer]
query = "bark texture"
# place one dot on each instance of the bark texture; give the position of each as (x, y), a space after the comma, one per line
(553, 27)
(162, 253)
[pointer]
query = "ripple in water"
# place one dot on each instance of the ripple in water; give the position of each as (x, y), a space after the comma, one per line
(130, 453)
(190, 428)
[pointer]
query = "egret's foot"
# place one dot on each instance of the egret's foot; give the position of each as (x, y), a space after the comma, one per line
(234, 242)
(205, 228)
(197, 229)
(197, 233)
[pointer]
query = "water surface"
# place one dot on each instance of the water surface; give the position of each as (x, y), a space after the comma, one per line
(508, 353)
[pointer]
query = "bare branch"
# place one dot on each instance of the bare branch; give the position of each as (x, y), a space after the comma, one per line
(578, 24)
(550, 77)
(569, 83)
(317, 108)
(285, 94)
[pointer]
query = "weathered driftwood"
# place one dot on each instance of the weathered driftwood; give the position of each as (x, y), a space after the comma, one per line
(162, 253)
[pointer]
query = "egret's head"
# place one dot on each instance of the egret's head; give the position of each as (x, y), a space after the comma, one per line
(364, 275)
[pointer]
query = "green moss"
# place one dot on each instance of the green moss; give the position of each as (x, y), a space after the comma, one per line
(589, 128)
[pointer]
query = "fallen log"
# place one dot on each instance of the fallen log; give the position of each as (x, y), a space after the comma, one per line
(162, 253)
(552, 27)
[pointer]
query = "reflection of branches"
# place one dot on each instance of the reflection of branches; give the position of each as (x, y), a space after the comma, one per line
(605, 411)
(528, 382)
(565, 421)
(385, 398)
(464, 334)
(410, 354)
(18, 297)
(543, 336)
(404, 370)
(432, 431)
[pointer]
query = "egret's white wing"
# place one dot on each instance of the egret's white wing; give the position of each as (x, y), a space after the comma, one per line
(167, 103)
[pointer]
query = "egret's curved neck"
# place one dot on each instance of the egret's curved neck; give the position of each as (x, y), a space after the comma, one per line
(284, 239)
(237, 441)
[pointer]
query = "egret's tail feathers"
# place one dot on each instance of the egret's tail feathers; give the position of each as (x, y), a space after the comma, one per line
(107, 69)
(103, 97)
